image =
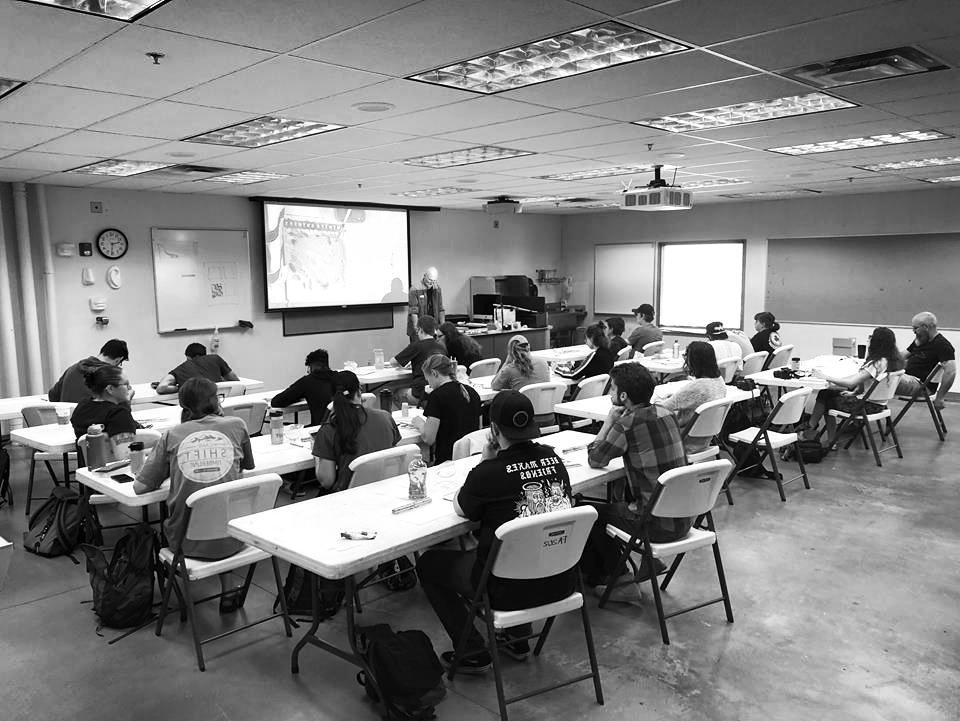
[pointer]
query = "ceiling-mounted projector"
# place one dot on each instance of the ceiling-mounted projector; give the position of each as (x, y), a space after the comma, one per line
(502, 204)
(656, 196)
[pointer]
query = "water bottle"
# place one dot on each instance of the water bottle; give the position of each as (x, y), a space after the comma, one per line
(276, 427)
(98, 447)
(417, 472)
(676, 349)
(378, 358)
(136, 457)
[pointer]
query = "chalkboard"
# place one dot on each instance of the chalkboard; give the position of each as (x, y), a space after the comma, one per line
(868, 280)
(201, 278)
(622, 277)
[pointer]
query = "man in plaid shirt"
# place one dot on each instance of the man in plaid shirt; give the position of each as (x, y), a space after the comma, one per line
(648, 439)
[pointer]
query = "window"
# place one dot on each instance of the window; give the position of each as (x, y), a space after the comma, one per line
(701, 283)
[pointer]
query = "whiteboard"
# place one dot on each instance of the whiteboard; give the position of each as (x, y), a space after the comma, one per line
(201, 278)
(622, 277)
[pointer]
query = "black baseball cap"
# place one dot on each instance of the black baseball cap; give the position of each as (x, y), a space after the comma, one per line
(513, 413)
(643, 309)
(716, 331)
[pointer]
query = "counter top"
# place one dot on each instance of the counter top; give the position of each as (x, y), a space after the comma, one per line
(473, 332)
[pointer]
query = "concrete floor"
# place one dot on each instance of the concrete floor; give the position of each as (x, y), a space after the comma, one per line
(845, 599)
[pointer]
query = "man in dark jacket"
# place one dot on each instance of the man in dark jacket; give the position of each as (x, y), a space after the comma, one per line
(71, 387)
(316, 387)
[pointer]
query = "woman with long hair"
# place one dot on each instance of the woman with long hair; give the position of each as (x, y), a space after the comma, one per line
(617, 328)
(108, 405)
(520, 368)
(705, 385)
(883, 356)
(351, 431)
(452, 409)
(224, 446)
(766, 338)
(599, 361)
(462, 348)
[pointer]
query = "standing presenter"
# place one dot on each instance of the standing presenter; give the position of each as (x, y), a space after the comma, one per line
(427, 300)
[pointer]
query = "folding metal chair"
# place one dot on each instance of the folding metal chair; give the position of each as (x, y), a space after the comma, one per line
(652, 348)
(484, 368)
(470, 444)
(544, 397)
(251, 412)
(707, 422)
(589, 388)
(882, 390)
(779, 358)
(41, 416)
(379, 465)
(934, 378)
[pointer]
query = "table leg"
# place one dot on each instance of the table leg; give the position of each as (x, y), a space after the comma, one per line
(66, 469)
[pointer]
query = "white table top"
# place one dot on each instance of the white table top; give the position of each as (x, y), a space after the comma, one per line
(370, 375)
(486, 393)
(308, 533)
(662, 363)
(598, 408)
(838, 366)
(10, 408)
(559, 355)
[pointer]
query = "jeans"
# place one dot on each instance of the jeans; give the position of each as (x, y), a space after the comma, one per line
(908, 385)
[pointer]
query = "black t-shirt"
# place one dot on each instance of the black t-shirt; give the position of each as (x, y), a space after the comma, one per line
(600, 362)
(212, 367)
(617, 344)
(458, 415)
(923, 358)
(523, 480)
(316, 388)
(766, 340)
(458, 351)
(114, 418)
(415, 354)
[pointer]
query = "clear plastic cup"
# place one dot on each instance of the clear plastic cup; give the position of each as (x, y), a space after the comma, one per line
(63, 415)
(293, 432)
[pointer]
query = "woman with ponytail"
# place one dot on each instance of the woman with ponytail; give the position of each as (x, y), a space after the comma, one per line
(108, 405)
(520, 368)
(767, 338)
(452, 409)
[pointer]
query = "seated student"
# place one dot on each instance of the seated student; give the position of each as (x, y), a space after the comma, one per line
(766, 338)
(108, 405)
(224, 447)
(617, 343)
(646, 331)
(462, 348)
(416, 353)
(497, 490)
(316, 387)
(351, 431)
(598, 362)
(922, 356)
(452, 409)
(706, 385)
(520, 368)
(71, 387)
(724, 346)
(197, 365)
(882, 357)
(648, 439)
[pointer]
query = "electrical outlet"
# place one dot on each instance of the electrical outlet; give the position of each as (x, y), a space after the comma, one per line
(496, 225)
(96, 206)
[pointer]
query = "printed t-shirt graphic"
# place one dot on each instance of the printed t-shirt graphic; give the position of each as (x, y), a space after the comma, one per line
(205, 456)
(543, 489)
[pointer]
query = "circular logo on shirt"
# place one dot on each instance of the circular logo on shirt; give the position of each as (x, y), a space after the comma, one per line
(205, 456)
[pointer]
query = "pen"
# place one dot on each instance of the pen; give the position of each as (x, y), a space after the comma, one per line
(413, 504)
(573, 450)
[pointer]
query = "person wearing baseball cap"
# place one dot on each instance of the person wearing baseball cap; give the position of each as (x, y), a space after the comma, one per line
(517, 477)
(646, 331)
(723, 340)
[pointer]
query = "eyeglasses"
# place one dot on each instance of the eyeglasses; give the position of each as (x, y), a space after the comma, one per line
(121, 385)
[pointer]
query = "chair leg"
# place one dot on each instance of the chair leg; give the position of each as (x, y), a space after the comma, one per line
(33, 469)
(191, 617)
(673, 569)
(246, 583)
(658, 602)
(545, 631)
(777, 476)
(896, 441)
(723, 582)
(803, 466)
(495, 657)
(873, 444)
(621, 564)
(591, 652)
(281, 596)
(937, 419)
(165, 599)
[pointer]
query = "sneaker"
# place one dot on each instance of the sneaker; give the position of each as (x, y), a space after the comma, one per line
(658, 568)
(627, 593)
(517, 650)
(473, 665)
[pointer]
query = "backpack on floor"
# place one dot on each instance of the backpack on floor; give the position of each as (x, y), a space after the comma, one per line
(398, 574)
(123, 586)
(296, 590)
(407, 671)
(64, 521)
(810, 450)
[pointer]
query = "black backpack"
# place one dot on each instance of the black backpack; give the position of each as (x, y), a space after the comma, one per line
(296, 590)
(407, 671)
(64, 521)
(123, 586)
(398, 574)
(810, 450)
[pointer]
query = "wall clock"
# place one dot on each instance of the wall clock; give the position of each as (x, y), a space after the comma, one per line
(112, 243)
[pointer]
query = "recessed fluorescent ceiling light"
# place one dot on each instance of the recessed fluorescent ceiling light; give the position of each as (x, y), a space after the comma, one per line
(712, 183)
(429, 192)
(602, 172)
(864, 68)
(467, 156)
(771, 194)
(580, 51)
(120, 9)
(6, 85)
(262, 131)
(908, 164)
(120, 168)
(544, 199)
(870, 141)
(945, 179)
(752, 112)
(244, 177)
(599, 204)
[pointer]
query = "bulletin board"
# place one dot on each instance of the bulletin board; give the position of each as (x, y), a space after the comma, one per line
(622, 277)
(201, 278)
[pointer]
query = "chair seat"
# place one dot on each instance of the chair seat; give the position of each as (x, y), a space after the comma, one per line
(707, 454)
(509, 619)
(695, 538)
(99, 499)
(547, 430)
(885, 413)
(777, 440)
(198, 569)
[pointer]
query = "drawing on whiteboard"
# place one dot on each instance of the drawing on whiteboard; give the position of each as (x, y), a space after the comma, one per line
(222, 279)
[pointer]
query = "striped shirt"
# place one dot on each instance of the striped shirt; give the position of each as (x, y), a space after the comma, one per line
(649, 440)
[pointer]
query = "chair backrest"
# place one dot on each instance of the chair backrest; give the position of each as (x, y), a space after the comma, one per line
(369, 400)
(252, 413)
(652, 348)
(728, 368)
(789, 408)
(780, 357)
(212, 508)
(226, 389)
(885, 387)
(936, 375)
(470, 444)
(624, 353)
(689, 491)
(753, 362)
(544, 396)
(624, 361)
(39, 415)
(708, 419)
(376, 466)
(593, 386)
(543, 545)
(485, 367)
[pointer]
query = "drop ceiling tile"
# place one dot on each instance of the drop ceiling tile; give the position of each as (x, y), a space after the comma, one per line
(104, 145)
(887, 25)
(608, 133)
(308, 166)
(619, 7)
(904, 87)
(170, 121)
(66, 107)
(408, 149)
(815, 135)
(338, 142)
(30, 160)
(118, 64)
(946, 49)
(71, 180)
(279, 83)
(611, 153)
(642, 77)
(34, 39)
(18, 175)
(533, 127)
(178, 152)
(257, 24)
(434, 33)
(948, 102)
(458, 116)
(143, 181)
(543, 164)
(18, 136)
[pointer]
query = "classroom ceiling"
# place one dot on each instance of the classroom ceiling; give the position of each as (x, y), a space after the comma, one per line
(90, 93)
